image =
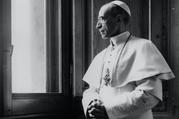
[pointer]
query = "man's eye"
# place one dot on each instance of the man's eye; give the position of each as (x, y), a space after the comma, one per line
(101, 19)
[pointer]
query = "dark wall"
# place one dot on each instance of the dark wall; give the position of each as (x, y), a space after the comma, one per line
(1, 55)
(175, 53)
(5, 36)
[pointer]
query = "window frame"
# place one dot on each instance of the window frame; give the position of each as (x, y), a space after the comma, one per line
(15, 104)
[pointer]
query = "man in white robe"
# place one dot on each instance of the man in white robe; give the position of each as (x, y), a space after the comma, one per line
(125, 78)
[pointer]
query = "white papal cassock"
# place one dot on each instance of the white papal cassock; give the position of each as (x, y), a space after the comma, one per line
(136, 69)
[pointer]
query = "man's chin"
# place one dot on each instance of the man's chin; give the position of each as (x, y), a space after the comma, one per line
(104, 37)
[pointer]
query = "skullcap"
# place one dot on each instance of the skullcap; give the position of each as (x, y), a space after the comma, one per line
(122, 5)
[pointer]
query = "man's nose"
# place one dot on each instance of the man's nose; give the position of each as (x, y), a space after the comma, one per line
(98, 25)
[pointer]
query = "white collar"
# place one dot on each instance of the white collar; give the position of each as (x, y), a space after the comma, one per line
(116, 40)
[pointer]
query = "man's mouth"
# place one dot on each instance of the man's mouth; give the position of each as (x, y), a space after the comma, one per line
(102, 32)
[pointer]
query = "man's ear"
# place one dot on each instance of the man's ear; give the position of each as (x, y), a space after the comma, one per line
(119, 18)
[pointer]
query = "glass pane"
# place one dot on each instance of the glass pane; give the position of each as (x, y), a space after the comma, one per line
(29, 41)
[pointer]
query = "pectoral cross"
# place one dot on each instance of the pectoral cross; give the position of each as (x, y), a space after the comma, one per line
(107, 77)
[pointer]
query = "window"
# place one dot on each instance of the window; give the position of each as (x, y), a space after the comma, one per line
(34, 56)
(30, 48)
(29, 42)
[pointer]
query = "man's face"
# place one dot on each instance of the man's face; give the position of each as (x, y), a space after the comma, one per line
(107, 25)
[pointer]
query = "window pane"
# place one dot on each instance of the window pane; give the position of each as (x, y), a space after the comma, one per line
(29, 41)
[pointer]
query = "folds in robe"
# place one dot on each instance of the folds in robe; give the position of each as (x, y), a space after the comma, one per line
(140, 59)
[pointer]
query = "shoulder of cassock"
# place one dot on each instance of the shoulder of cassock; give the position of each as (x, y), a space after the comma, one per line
(140, 59)
(94, 72)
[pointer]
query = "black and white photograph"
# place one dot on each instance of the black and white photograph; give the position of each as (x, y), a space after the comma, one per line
(89, 59)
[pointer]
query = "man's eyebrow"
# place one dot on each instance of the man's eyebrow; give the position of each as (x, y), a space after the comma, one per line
(101, 17)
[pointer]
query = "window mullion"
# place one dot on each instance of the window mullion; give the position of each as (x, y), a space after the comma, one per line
(52, 84)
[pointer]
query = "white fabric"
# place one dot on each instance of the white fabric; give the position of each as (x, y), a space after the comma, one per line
(140, 59)
(117, 43)
(131, 101)
(127, 102)
(89, 95)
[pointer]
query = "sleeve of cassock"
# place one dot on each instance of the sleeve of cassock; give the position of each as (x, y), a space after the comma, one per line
(145, 96)
(89, 95)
